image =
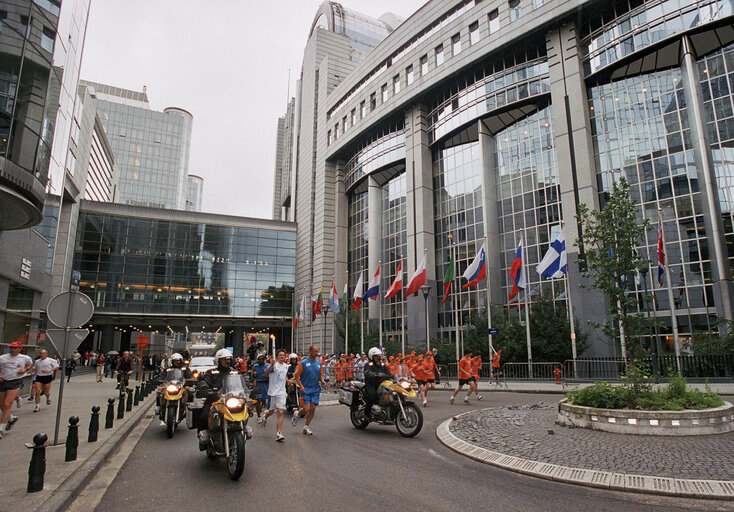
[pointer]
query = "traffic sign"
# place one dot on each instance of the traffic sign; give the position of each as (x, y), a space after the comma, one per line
(56, 337)
(142, 342)
(493, 331)
(70, 309)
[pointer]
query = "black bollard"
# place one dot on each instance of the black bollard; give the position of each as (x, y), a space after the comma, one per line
(37, 468)
(72, 439)
(136, 398)
(142, 390)
(121, 407)
(94, 425)
(109, 420)
(129, 400)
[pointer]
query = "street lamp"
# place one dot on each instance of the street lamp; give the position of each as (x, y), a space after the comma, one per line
(653, 341)
(426, 289)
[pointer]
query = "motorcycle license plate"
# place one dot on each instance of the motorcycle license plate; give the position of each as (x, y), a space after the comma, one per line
(345, 397)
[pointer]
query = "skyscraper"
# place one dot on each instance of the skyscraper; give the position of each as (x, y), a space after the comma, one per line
(283, 185)
(195, 193)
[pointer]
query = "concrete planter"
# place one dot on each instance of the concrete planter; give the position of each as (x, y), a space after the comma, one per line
(659, 423)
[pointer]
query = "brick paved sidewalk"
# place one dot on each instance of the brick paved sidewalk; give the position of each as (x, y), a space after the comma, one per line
(79, 396)
(522, 431)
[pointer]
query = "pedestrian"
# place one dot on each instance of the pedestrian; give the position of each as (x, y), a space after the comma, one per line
(465, 377)
(432, 372)
(123, 370)
(13, 367)
(86, 358)
(70, 367)
(420, 374)
(260, 350)
(437, 360)
(277, 373)
(476, 365)
(310, 378)
(261, 381)
(77, 356)
(99, 365)
(44, 369)
(496, 373)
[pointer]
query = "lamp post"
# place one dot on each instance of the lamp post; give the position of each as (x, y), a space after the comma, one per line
(653, 341)
(426, 289)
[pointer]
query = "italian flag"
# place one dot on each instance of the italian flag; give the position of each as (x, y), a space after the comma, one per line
(295, 313)
(448, 277)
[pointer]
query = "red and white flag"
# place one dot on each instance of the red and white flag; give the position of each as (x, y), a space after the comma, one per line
(418, 279)
(357, 294)
(397, 283)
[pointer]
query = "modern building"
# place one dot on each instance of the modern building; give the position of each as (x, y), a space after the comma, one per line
(284, 176)
(195, 193)
(151, 148)
(497, 119)
(41, 47)
(149, 269)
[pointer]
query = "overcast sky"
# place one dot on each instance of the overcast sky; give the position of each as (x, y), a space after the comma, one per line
(226, 62)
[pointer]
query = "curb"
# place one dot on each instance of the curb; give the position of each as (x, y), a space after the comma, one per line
(62, 497)
(646, 484)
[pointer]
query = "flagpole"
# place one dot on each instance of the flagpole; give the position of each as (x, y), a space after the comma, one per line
(346, 318)
(571, 320)
(489, 304)
(402, 310)
(456, 297)
(361, 316)
(323, 320)
(673, 316)
(379, 299)
(312, 318)
(527, 306)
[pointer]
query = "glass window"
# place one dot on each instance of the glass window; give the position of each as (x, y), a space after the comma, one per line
(424, 65)
(409, 75)
(456, 44)
(336, 131)
(538, 3)
(328, 138)
(396, 84)
(47, 39)
(353, 116)
(494, 21)
(373, 101)
(362, 109)
(344, 124)
(383, 93)
(439, 55)
(474, 33)
(515, 10)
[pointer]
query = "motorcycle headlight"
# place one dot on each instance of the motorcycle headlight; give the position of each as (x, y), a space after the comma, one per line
(196, 375)
(234, 403)
(405, 384)
(172, 388)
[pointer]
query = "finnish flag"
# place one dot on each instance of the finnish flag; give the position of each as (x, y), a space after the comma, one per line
(555, 260)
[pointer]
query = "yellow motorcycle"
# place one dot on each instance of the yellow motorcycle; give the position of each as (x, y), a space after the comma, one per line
(227, 424)
(172, 400)
(393, 406)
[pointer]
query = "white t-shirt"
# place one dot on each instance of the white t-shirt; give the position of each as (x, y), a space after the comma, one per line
(276, 385)
(10, 365)
(45, 367)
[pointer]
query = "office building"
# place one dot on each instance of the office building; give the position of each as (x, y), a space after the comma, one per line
(284, 176)
(494, 118)
(195, 193)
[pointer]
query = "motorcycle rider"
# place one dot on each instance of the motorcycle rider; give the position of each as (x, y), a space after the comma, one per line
(208, 385)
(375, 372)
(176, 361)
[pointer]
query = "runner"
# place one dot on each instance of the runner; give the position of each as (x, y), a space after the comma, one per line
(432, 373)
(421, 377)
(476, 364)
(277, 374)
(44, 369)
(258, 375)
(310, 378)
(465, 377)
(13, 367)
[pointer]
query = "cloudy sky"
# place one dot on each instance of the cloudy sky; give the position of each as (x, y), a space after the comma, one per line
(226, 62)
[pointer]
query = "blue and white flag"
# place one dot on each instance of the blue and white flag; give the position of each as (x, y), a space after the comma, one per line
(555, 260)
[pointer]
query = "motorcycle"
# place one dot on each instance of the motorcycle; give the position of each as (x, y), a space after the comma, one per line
(172, 400)
(227, 424)
(393, 406)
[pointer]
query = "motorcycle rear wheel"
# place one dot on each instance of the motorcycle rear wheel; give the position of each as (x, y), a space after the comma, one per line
(236, 459)
(410, 424)
(360, 421)
(170, 421)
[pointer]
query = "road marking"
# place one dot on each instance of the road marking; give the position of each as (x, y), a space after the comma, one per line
(90, 497)
(441, 457)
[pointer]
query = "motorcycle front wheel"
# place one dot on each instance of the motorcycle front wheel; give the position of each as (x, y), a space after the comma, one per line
(359, 420)
(170, 421)
(236, 459)
(411, 423)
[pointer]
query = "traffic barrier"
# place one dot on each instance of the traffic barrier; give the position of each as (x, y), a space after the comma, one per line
(93, 425)
(121, 407)
(37, 467)
(109, 420)
(129, 400)
(72, 439)
(136, 399)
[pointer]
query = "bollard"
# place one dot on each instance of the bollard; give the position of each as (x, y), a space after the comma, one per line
(142, 389)
(121, 407)
(94, 425)
(72, 439)
(37, 468)
(110, 413)
(136, 398)
(129, 400)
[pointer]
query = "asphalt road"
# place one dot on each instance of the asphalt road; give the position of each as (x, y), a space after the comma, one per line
(340, 468)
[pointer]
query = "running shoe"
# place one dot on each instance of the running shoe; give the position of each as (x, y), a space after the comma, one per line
(425, 403)
(11, 422)
(451, 400)
(163, 423)
(466, 399)
(294, 420)
(18, 402)
(1, 433)
(279, 437)
(479, 397)
(264, 421)
(306, 431)
(37, 408)
(48, 401)
(30, 398)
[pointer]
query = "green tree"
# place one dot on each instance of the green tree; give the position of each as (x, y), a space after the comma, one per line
(276, 301)
(607, 244)
(551, 332)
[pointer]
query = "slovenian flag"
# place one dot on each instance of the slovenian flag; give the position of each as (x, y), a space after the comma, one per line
(373, 288)
(477, 271)
(661, 252)
(357, 294)
(418, 278)
(516, 272)
(333, 299)
(554, 262)
(397, 283)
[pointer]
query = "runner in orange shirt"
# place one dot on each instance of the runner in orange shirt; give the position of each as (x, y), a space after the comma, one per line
(465, 377)
(476, 365)
(421, 376)
(391, 365)
(431, 369)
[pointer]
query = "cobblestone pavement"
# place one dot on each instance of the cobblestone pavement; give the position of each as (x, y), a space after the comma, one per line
(522, 431)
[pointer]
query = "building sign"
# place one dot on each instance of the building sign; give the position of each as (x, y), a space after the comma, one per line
(25, 268)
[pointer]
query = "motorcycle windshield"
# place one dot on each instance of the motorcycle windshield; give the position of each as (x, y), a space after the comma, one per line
(233, 384)
(174, 375)
(402, 372)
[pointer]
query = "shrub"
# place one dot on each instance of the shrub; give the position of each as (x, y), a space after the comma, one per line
(601, 395)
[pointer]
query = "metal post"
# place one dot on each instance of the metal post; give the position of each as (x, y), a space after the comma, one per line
(93, 425)
(527, 309)
(37, 468)
(361, 315)
(72, 439)
(653, 341)
(346, 318)
(673, 317)
(402, 313)
(67, 332)
(456, 299)
(109, 419)
(379, 300)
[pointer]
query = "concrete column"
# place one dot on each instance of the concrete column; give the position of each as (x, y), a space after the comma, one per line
(4, 289)
(419, 217)
(489, 207)
(237, 341)
(374, 244)
(108, 338)
(576, 168)
(341, 245)
(723, 289)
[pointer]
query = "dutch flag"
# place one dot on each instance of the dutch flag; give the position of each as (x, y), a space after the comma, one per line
(554, 262)
(478, 268)
(373, 288)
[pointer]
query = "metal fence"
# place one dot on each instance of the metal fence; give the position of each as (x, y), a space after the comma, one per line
(703, 366)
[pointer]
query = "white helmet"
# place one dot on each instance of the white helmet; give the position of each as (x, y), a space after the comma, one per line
(374, 351)
(176, 357)
(222, 353)
(293, 355)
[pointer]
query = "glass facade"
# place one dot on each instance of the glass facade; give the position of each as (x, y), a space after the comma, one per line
(357, 238)
(394, 239)
(364, 33)
(156, 266)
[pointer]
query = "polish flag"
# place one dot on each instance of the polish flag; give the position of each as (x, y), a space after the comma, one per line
(397, 283)
(418, 279)
(357, 294)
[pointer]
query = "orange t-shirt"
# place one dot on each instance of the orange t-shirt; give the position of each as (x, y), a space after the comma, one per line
(430, 367)
(465, 368)
(419, 370)
(476, 363)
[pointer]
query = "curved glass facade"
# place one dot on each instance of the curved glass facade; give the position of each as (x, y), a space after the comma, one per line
(364, 32)
(357, 237)
(375, 155)
(394, 239)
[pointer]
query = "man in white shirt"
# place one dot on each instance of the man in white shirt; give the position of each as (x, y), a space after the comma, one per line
(277, 375)
(44, 369)
(13, 367)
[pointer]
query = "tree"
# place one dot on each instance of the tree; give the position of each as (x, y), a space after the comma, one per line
(276, 301)
(354, 328)
(608, 257)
